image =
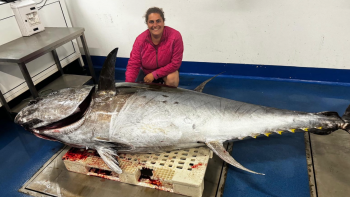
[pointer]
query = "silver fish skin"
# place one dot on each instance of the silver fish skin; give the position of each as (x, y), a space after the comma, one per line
(145, 118)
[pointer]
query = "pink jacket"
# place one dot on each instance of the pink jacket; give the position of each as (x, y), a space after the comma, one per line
(159, 60)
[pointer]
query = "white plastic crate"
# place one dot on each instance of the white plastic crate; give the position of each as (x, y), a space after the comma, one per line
(180, 171)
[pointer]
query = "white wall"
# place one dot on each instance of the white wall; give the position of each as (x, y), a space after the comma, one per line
(53, 14)
(313, 33)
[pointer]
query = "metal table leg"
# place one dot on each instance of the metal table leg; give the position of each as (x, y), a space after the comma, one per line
(28, 79)
(88, 58)
(5, 105)
(57, 61)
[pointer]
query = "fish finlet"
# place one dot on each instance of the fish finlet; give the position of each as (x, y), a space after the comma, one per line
(267, 134)
(279, 132)
(306, 129)
(254, 135)
(319, 128)
(292, 130)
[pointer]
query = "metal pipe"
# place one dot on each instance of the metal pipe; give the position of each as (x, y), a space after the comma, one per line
(57, 61)
(28, 79)
(5, 105)
(88, 58)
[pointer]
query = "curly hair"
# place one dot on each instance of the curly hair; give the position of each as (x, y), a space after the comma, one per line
(154, 10)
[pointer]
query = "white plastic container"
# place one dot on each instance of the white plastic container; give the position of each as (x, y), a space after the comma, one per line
(178, 171)
(27, 16)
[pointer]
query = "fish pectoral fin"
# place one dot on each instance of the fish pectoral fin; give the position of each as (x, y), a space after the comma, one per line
(202, 85)
(109, 157)
(101, 139)
(119, 146)
(220, 151)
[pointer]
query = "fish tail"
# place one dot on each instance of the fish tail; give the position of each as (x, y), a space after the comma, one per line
(345, 123)
(338, 123)
(346, 119)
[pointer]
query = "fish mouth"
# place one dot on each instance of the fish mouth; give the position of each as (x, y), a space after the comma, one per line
(67, 123)
(44, 137)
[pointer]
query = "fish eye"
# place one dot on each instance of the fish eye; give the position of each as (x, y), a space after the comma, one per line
(32, 102)
(35, 101)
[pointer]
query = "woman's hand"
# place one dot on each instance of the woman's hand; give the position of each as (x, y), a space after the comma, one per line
(149, 78)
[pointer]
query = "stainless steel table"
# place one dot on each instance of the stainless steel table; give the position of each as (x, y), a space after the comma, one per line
(26, 49)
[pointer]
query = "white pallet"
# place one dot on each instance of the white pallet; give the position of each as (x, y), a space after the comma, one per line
(180, 171)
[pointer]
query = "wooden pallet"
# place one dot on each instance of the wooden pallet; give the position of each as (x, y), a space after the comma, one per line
(179, 171)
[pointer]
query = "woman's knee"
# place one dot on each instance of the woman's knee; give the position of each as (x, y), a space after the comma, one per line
(172, 79)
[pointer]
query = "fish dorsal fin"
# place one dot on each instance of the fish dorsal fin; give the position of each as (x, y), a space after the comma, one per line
(107, 79)
(109, 157)
(220, 151)
(201, 86)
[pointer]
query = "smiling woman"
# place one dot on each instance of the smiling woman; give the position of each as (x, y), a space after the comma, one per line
(157, 52)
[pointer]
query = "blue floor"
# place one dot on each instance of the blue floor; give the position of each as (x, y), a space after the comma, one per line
(23, 154)
(281, 158)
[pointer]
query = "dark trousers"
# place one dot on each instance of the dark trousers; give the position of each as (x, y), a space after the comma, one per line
(141, 75)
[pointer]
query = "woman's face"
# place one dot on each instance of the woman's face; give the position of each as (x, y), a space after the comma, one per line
(155, 24)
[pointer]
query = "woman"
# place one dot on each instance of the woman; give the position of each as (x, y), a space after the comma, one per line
(157, 52)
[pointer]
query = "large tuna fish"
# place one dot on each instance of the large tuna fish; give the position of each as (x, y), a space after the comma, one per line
(144, 118)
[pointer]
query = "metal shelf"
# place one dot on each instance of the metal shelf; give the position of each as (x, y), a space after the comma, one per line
(26, 49)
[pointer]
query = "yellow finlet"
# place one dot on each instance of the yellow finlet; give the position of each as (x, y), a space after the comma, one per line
(267, 134)
(292, 130)
(306, 129)
(319, 127)
(254, 135)
(279, 132)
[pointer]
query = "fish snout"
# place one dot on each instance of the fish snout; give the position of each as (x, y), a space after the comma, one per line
(30, 124)
(18, 119)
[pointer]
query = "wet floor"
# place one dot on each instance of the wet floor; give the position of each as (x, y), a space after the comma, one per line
(22, 155)
(281, 158)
